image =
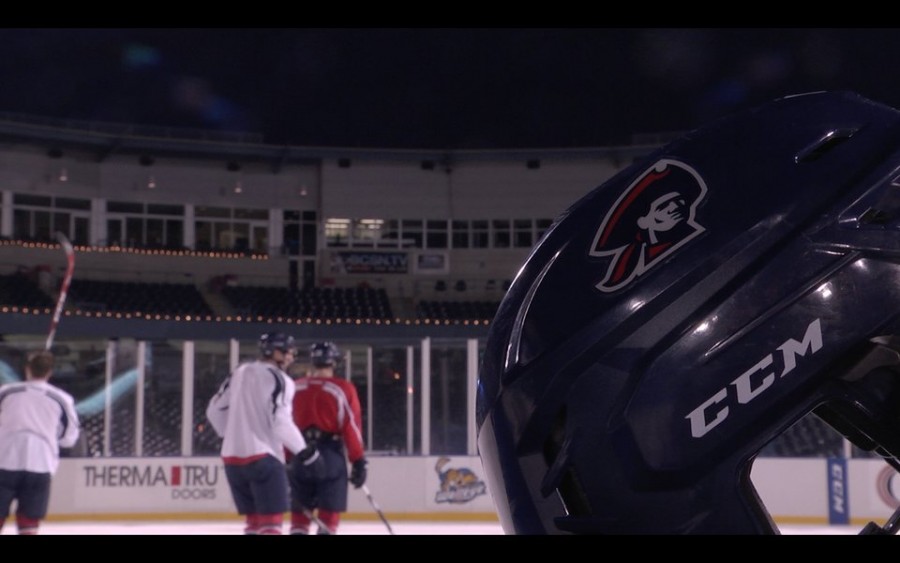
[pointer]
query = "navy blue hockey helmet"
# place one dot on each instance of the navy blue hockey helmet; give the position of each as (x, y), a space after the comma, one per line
(687, 312)
(271, 341)
(324, 354)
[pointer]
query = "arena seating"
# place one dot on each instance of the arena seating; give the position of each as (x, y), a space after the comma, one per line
(311, 302)
(21, 291)
(155, 298)
(162, 419)
(129, 297)
(456, 310)
(809, 437)
(162, 429)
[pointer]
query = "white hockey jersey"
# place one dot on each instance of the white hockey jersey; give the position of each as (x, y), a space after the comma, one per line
(252, 412)
(36, 419)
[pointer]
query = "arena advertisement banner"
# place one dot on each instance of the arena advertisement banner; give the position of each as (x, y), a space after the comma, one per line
(432, 263)
(796, 490)
(882, 486)
(873, 490)
(456, 482)
(363, 262)
(838, 505)
(126, 487)
(168, 485)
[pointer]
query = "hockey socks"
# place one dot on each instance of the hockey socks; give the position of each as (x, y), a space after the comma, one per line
(27, 526)
(330, 519)
(299, 524)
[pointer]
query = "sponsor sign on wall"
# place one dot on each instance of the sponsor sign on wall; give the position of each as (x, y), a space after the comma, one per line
(432, 263)
(887, 487)
(838, 504)
(801, 489)
(197, 485)
(456, 482)
(165, 485)
(361, 262)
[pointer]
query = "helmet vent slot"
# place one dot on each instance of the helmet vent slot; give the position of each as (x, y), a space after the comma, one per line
(558, 448)
(874, 216)
(886, 210)
(823, 145)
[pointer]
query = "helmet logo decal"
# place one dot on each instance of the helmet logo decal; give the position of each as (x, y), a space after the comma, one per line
(753, 382)
(651, 219)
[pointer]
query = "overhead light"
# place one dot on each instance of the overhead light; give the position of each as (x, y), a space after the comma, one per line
(63, 174)
(238, 188)
(151, 183)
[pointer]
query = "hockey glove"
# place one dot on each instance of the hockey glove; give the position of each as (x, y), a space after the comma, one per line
(358, 473)
(308, 464)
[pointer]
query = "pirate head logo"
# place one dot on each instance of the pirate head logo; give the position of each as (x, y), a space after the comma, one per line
(649, 221)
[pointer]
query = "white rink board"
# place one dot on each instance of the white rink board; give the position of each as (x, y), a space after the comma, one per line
(795, 490)
(197, 485)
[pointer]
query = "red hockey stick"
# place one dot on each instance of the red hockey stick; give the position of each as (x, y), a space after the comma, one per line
(64, 287)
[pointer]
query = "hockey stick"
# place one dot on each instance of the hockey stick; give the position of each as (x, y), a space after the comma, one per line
(64, 287)
(315, 519)
(377, 509)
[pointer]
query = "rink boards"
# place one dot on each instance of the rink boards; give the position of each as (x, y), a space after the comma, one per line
(796, 491)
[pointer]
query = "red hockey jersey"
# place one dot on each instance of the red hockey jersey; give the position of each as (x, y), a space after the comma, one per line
(332, 405)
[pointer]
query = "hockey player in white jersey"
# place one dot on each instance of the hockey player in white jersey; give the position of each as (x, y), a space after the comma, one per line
(36, 419)
(252, 412)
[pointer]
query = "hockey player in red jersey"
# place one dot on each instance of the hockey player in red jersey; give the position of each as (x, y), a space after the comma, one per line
(327, 411)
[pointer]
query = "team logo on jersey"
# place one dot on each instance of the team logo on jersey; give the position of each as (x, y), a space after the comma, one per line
(651, 219)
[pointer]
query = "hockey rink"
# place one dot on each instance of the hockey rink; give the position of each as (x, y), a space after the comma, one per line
(229, 527)
(357, 528)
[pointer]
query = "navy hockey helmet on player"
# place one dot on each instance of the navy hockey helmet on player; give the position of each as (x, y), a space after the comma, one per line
(271, 341)
(324, 354)
(684, 314)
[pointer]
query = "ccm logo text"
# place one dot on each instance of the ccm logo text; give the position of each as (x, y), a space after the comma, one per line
(753, 382)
